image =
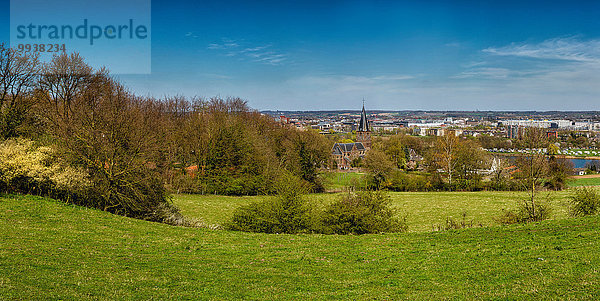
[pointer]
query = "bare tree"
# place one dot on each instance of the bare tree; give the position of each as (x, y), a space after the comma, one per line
(460, 159)
(63, 80)
(445, 155)
(533, 170)
(18, 74)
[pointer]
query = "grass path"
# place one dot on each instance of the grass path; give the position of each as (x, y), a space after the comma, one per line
(54, 251)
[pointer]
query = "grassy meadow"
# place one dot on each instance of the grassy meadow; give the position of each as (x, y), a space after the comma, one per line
(50, 250)
(575, 182)
(337, 181)
(423, 210)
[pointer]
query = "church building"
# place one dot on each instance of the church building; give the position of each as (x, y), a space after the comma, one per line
(344, 153)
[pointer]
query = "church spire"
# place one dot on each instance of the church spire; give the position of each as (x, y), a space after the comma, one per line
(363, 126)
(363, 135)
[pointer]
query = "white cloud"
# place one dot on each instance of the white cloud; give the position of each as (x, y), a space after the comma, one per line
(216, 76)
(256, 48)
(491, 73)
(559, 58)
(264, 54)
(496, 73)
(393, 77)
(215, 46)
(190, 34)
(566, 49)
(556, 74)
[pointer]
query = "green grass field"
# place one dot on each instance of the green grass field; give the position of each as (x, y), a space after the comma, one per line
(585, 182)
(422, 209)
(337, 181)
(49, 250)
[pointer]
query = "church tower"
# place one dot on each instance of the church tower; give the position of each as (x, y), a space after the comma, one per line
(363, 134)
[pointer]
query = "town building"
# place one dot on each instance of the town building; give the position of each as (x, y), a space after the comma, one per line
(344, 153)
(514, 131)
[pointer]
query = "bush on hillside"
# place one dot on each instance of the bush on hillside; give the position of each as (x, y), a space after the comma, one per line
(288, 212)
(361, 213)
(585, 201)
(527, 211)
(535, 211)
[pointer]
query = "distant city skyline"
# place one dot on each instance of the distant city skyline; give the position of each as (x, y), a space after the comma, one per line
(398, 55)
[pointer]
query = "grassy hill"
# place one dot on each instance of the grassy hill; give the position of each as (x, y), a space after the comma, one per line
(49, 250)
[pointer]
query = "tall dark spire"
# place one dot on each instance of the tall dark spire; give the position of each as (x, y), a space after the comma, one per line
(363, 126)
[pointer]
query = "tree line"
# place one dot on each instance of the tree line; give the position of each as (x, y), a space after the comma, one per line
(123, 153)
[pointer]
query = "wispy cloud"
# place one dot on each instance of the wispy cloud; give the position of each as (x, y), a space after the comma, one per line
(495, 73)
(492, 73)
(190, 34)
(357, 81)
(216, 76)
(547, 74)
(453, 44)
(259, 48)
(392, 77)
(264, 54)
(566, 49)
(215, 46)
(528, 60)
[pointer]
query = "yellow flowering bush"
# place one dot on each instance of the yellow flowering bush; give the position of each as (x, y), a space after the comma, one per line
(22, 162)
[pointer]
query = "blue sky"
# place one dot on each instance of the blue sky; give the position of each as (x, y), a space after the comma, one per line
(398, 55)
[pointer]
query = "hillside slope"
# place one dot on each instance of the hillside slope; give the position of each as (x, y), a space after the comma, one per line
(52, 250)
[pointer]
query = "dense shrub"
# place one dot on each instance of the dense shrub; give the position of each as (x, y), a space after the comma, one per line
(559, 171)
(287, 212)
(470, 184)
(183, 183)
(401, 181)
(585, 201)
(379, 167)
(527, 211)
(535, 211)
(361, 213)
(508, 217)
(503, 184)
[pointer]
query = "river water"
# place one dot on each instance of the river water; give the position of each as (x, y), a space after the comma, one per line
(577, 163)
